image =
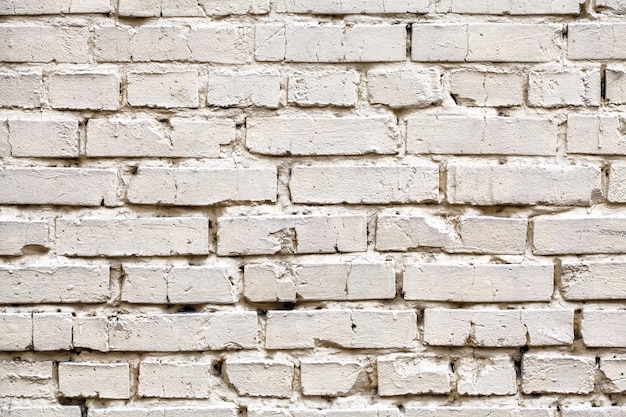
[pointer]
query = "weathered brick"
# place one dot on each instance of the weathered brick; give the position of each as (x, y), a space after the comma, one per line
(52, 331)
(82, 90)
(338, 184)
(156, 8)
(91, 333)
(261, 378)
(615, 85)
(473, 411)
(473, 135)
(557, 373)
(406, 375)
(596, 134)
(21, 89)
(613, 411)
(404, 87)
(174, 380)
(615, 6)
(560, 89)
(613, 368)
(50, 411)
(26, 379)
(617, 191)
(20, 236)
(350, 6)
(597, 40)
(591, 280)
(30, 43)
(493, 375)
(519, 7)
(17, 331)
(478, 88)
(163, 89)
(93, 379)
(227, 410)
(46, 137)
(331, 377)
(36, 7)
(244, 89)
(604, 328)
(323, 88)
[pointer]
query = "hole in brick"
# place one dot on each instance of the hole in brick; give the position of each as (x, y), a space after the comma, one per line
(262, 313)
(216, 368)
(102, 203)
(287, 306)
(353, 326)
(133, 170)
(187, 309)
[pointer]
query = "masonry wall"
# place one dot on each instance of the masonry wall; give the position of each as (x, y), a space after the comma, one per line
(312, 208)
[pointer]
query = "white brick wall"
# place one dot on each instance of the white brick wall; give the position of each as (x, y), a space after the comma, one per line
(312, 208)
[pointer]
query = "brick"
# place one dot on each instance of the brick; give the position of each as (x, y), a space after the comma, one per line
(523, 184)
(17, 331)
(52, 331)
(406, 375)
(303, 42)
(402, 230)
(26, 379)
(258, 235)
(331, 377)
(161, 236)
(371, 411)
(57, 284)
(244, 89)
(486, 42)
(188, 332)
(212, 411)
(52, 411)
(269, 282)
(352, 329)
(522, 7)
(491, 89)
(557, 373)
(156, 8)
(37, 7)
(596, 40)
(321, 135)
(323, 88)
(617, 191)
(188, 186)
(174, 380)
(44, 137)
(471, 283)
(163, 89)
(614, 6)
(615, 85)
(560, 89)
(93, 91)
(494, 375)
(350, 6)
(328, 184)
(497, 328)
(613, 368)
(91, 333)
(197, 138)
(596, 134)
(58, 186)
(612, 411)
(30, 43)
(471, 135)
(20, 237)
(579, 234)
(604, 328)
(21, 89)
(177, 285)
(92, 379)
(468, 411)
(404, 87)
(261, 378)
(591, 280)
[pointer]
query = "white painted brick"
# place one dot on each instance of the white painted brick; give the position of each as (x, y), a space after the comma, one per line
(211, 411)
(58, 186)
(35, 7)
(244, 89)
(604, 328)
(174, 380)
(615, 6)
(590, 280)
(560, 89)
(617, 191)
(481, 135)
(405, 375)
(325, 135)
(177, 285)
(613, 368)
(519, 7)
(404, 87)
(497, 184)
(494, 375)
(52, 411)
(22, 89)
(331, 377)
(323, 88)
(596, 134)
(46, 137)
(91, 333)
(486, 42)
(92, 379)
(350, 6)
(18, 235)
(579, 234)
(478, 88)
(356, 329)
(94, 90)
(261, 378)
(257, 235)
(469, 283)
(615, 84)
(597, 40)
(402, 230)
(328, 184)
(497, 328)
(319, 281)
(58, 284)
(17, 331)
(557, 373)
(26, 379)
(184, 332)
(126, 237)
(123, 137)
(613, 411)
(163, 89)
(221, 43)
(156, 8)
(200, 187)
(303, 42)
(52, 331)
(30, 43)
(469, 411)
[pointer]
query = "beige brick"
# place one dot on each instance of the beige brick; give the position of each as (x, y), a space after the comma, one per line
(261, 378)
(26, 379)
(46, 137)
(163, 89)
(93, 91)
(478, 88)
(93, 379)
(404, 87)
(557, 373)
(406, 375)
(323, 88)
(21, 89)
(174, 380)
(20, 236)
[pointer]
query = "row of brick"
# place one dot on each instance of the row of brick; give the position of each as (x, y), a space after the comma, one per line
(314, 281)
(308, 329)
(312, 42)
